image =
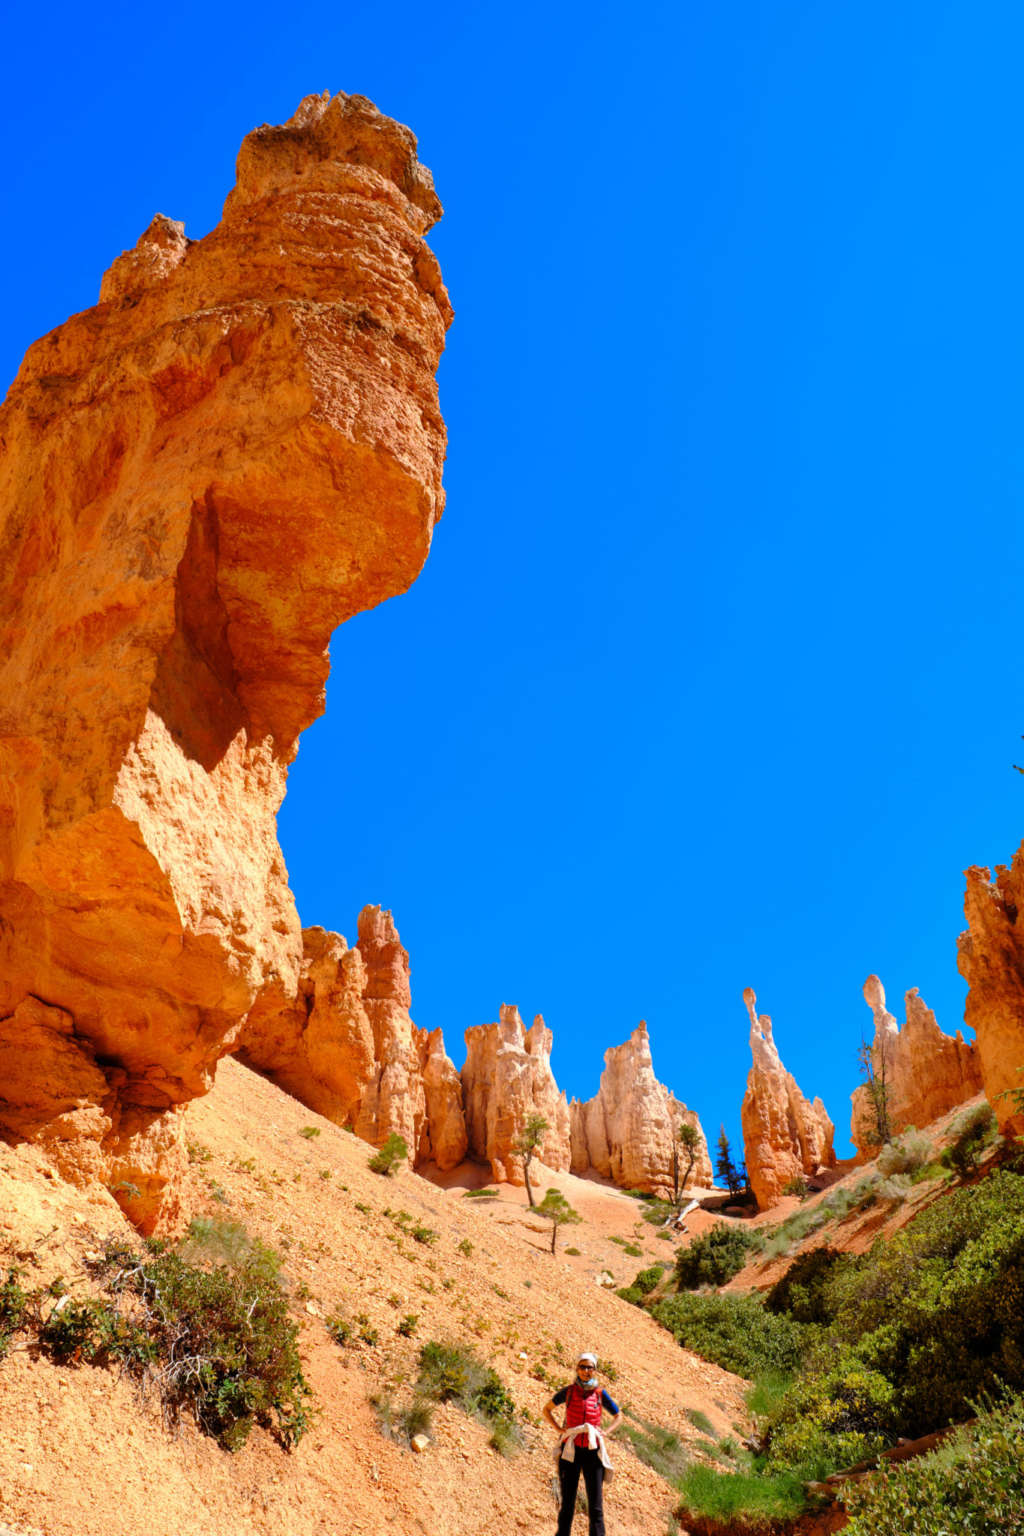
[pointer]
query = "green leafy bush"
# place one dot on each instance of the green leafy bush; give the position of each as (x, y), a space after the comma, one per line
(973, 1482)
(713, 1258)
(454, 1373)
(14, 1300)
(907, 1153)
(480, 1194)
(804, 1290)
(938, 1310)
(390, 1157)
(210, 1316)
(733, 1331)
(973, 1130)
(648, 1279)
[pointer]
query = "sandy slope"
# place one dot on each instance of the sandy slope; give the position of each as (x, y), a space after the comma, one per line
(81, 1455)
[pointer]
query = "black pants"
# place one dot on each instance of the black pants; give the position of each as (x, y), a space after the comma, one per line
(590, 1464)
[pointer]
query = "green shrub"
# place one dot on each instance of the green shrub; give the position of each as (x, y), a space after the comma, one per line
(648, 1280)
(466, 1247)
(796, 1186)
(910, 1151)
(713, 1258)
(733, 1331)
(339, 1327)
(656, 1211)
(417, 1418)
(211, 1314)
(834, 1418)
(973, 1130)
(454, 1373)
(480, 1194)
(14, 1301)
(390, 1157)
(574, 1252)
(309, 1131)
(424, 1234)
(631, 1293)
(700, 1421)
(973, 1482)
(407, 1327)
(804, 1290)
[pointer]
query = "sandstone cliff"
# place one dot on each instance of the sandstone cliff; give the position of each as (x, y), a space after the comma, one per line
(507, 1077)
(991, 961)
(628, 1131)
(785, 1135)
(346, 1046)
(236, 450)
(925, 1072)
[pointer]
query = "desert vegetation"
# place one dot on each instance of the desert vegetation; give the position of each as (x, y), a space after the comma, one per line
(849, 1353)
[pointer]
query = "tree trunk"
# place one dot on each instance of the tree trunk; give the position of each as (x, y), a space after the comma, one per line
(554, 1234)
(526, 1180)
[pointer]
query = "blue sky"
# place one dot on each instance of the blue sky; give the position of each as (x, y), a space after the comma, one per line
(711, 679)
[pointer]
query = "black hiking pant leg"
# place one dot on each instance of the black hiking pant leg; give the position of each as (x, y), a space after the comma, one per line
(590, 1464)
(593, 1481)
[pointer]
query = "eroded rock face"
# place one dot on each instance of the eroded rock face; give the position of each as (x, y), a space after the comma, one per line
(785, 1135)
(991, 961)
(507, 1077)
(345, 1044)
(200, 478)
(628, 1131)
(926, 1073)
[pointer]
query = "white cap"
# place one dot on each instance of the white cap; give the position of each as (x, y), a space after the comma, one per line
(586, 1355)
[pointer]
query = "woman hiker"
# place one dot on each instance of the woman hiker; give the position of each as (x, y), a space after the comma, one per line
(584, 1451)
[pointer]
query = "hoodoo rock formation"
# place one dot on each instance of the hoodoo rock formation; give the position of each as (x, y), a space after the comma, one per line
(239, 448)
(922, 1072)
(629, 1131)
(506, 1078)
(785, 1136)
(346, 1045)
(991, 961)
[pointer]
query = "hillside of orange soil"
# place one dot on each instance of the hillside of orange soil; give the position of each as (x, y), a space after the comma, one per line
(83, 1454)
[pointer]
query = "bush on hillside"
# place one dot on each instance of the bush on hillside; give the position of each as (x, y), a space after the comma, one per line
(972, 1131)
(974, 1481)
(733, 1331)
(454, 1373)
(804, 1292)
(906, 1154)
(209, 1318)
(14, 1301)
(938, 1309)
(390, 1157)
(713, 1258)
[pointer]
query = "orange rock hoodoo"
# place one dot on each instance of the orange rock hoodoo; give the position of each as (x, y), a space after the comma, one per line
(991, 961)
(629, 1130)
(926, 1072)
(346, 1045)
(506, 1078)
(785, 1136)
(239, 448)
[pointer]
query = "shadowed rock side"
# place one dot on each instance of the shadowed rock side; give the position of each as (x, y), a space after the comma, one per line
(991, 961)
(628, 1131)
(785, 1135)
(239, 448)
(507, 1077)
(926, 1073)
(346, 1045)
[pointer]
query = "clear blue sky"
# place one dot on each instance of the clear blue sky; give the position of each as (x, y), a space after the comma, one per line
(712, 679)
